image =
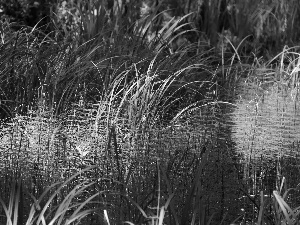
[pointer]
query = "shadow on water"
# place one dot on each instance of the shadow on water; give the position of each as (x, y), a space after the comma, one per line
(222, 178)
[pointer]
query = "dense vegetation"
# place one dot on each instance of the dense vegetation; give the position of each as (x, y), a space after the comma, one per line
(97, 100)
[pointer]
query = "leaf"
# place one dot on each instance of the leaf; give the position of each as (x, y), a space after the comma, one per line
(287, 211)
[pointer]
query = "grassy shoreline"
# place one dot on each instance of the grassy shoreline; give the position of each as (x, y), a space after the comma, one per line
(123, 107)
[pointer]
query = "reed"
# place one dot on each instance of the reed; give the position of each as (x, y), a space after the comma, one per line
(45, 209)
(117, 92)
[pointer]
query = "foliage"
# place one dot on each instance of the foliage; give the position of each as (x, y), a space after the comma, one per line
(117, 85)
(28, 12)
(44, 211)
(271, 24)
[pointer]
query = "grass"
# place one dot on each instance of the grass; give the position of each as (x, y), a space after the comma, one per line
(71, 127)
(43, 211)
(103, 128)
(71, 210)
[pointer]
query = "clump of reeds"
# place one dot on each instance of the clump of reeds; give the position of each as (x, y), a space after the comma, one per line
(101, 100)
(54, 205)
(281, 212)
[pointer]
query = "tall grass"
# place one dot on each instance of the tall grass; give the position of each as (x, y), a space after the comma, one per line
(91, 104)
(47, 210)
(103, 97)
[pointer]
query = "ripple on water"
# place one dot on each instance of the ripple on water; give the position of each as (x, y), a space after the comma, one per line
(266, 123)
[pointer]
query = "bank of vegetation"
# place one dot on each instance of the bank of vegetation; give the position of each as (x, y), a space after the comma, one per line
(96, 101)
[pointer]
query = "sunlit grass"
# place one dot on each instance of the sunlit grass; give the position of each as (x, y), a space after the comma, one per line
(66, 129)
(118, 103)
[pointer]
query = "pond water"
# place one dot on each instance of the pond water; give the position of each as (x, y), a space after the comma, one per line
(266, 122)
(251, 143)
(265, 132)
(254, 145)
